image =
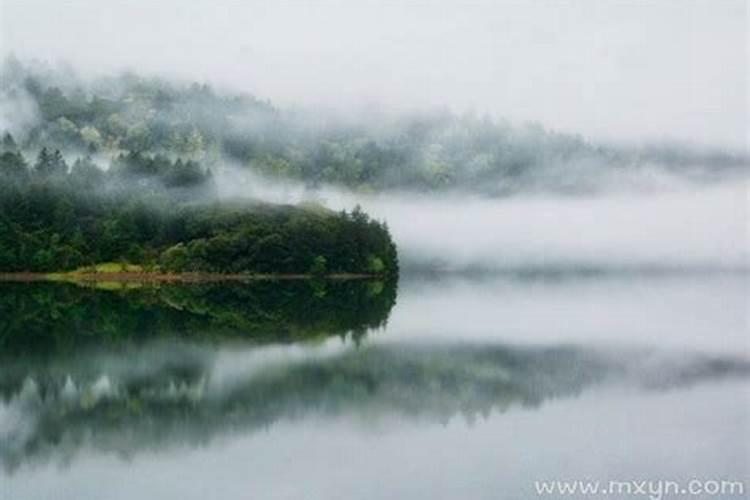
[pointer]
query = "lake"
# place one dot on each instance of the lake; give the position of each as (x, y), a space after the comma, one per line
(438, 387)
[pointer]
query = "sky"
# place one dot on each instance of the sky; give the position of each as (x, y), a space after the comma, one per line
(613, 70)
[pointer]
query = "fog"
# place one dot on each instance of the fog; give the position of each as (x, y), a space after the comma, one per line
(663, 227)
(673, 230)
(607, 69)
(18, 113)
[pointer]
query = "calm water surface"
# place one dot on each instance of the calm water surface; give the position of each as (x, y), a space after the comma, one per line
(443, 389)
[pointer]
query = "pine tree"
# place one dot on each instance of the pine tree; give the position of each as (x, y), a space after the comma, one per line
(12, 164)
(50, 164)
(43, 163)
(59, 167)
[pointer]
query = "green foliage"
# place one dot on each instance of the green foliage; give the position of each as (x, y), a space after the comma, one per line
(319, 266)
(175, 258)
(375, 264)
(12, 165)
(91, 137)
(52, 220)
(50, 164)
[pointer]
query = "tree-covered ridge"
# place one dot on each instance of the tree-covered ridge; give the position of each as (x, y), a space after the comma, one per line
(125, 115)
(141, 211)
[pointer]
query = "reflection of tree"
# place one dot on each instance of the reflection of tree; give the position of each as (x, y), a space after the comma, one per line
(171, 394)
(41, 319)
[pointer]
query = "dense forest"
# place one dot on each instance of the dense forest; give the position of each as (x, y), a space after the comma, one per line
(118, 118)
(152, 202)
(143, 211)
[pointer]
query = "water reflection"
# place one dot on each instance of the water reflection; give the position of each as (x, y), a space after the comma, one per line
(173, 393)
(45, 319)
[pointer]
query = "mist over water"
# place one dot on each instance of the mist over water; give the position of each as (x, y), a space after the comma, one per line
(619, 228)
(673, 230)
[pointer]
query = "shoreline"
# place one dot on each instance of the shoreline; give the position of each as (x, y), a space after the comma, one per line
(156, 277)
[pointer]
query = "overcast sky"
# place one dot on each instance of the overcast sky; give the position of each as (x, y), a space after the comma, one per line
(623, 70)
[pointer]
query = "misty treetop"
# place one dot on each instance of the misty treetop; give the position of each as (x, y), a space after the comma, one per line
(119, 117)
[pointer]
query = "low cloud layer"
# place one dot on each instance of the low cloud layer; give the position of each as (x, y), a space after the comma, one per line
(675, 227)
(607, 69)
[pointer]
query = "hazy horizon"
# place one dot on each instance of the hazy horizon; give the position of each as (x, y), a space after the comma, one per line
(611, 70)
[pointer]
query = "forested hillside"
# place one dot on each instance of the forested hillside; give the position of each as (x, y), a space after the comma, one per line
(162, 214)
(120, 120)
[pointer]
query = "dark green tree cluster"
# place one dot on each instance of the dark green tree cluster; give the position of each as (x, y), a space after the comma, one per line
(55, 218)
(144, 171)
(270, 239)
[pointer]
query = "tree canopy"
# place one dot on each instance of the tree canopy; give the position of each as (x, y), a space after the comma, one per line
(143, 210)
